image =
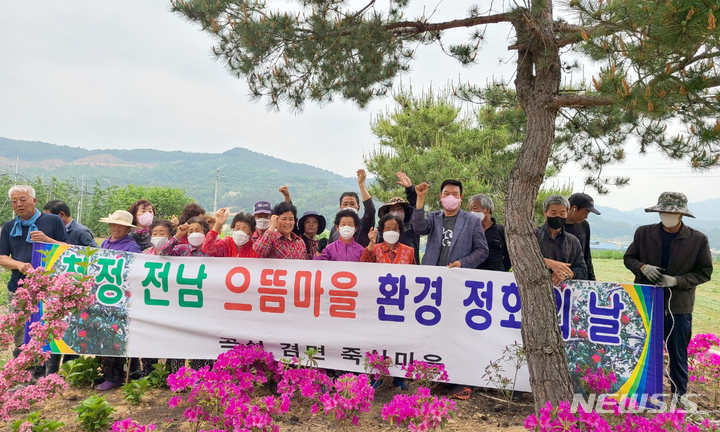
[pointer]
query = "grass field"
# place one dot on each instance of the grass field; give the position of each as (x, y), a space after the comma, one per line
(707, 295)
(706, 318)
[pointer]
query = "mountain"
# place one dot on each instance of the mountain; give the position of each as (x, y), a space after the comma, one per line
(245, 176)
(619, 226)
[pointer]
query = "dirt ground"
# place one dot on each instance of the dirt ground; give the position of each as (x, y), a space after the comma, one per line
(485, 411)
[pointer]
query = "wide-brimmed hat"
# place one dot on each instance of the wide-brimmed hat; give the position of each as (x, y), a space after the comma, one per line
(671, 202)
(120, 217)
(385, 208)
(321, 221)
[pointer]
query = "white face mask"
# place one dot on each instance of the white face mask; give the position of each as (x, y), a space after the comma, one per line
(262, 224)
(351, 208)
(158, 242)
(391, 237)
(399, 214)
(346, 232)
(196, 239)
(670, 220)
(240, 237)
(479, 215)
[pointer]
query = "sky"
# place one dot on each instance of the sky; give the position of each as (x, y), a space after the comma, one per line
(131, 75)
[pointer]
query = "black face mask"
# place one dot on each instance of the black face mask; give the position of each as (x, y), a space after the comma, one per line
(556, 222)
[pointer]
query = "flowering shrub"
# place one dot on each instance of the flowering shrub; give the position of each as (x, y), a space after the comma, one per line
(378, 365)
(419, 412)
(352, 395)
(222, 395)
(704, 365)
(562, 418)
(129, 425)
(307, 383)
(62, 295)
(426, 374)
(596, 380)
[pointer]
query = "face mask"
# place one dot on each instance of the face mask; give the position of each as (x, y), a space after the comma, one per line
(479, 215)
(240, 237)
(556, 222)
(670, 220)
(262, 224)
(158, 242)
(391, 237)
(351, 208)
(196, 239)
(400, 214)
(450, 202)
(145, 219)
(346, 232)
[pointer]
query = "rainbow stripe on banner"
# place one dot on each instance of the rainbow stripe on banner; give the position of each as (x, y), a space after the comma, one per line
(647, 378)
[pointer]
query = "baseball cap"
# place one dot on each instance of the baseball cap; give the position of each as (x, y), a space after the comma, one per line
(583, 200)
(262, 207)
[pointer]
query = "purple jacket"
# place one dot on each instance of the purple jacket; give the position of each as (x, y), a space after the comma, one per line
(125, 244)
(341, 251)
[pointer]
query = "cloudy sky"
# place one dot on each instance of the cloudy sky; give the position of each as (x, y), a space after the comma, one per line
(132, 75)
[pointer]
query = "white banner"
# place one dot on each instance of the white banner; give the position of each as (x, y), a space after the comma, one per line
(196, 308)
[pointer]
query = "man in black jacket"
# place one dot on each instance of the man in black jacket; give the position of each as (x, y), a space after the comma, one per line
(581, 205)
(561, 250)
(676, 257)
(498, 258)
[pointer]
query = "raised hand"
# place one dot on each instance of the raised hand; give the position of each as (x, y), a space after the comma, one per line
(422, 190)
(182, 231)
(372, 235)
(361, 175)
(273, 223)
(403, 179)
(222, 216)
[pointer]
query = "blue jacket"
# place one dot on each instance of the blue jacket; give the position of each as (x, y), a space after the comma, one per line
(468, 245)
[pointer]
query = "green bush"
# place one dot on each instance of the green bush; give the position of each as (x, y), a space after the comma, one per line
(158, 377)
(135, 389)
(81, 372)
(38, 424)
(94, 413)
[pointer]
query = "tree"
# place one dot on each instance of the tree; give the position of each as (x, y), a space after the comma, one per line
(167, 201)
(430, 138)
(657, 64)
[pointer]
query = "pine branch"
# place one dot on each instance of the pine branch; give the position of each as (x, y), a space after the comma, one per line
(580, 101)
(416, 27)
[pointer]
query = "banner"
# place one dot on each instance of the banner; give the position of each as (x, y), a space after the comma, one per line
(195, 308)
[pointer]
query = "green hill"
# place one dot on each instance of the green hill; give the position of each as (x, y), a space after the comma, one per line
(245, 176)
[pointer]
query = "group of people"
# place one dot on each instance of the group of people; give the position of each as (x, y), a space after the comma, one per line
(668, 254)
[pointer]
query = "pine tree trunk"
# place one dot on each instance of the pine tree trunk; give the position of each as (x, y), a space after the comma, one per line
(537, 84)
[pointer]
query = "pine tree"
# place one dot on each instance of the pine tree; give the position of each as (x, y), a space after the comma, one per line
(657, 62)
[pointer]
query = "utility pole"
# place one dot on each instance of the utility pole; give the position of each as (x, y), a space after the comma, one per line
(80, 204)
(17, 159)
(217, 179)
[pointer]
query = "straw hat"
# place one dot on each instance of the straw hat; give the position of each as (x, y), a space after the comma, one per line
(120, 217)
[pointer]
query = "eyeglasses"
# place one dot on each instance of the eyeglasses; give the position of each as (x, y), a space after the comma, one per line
(19, 201)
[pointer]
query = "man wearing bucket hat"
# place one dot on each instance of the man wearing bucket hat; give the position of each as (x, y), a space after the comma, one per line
(676, 257)
(402, 209)
(120, 225)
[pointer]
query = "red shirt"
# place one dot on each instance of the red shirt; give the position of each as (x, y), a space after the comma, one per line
(381, 253)
(226, 247)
